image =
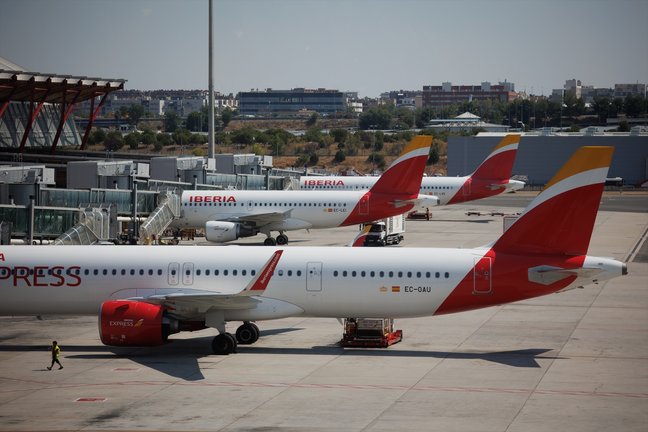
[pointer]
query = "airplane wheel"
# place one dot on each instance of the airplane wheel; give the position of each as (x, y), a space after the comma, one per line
(247, 334)
(224, 344)
(282, 239)
(269, 242)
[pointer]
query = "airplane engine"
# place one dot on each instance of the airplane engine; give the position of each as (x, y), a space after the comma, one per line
(133, 323)
(221, 231)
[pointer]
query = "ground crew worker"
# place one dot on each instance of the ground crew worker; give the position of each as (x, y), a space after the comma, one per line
(56, 350)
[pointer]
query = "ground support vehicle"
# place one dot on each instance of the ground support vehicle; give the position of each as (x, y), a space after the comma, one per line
(370, 333)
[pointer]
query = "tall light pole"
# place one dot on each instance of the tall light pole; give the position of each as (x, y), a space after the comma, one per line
(210, 136)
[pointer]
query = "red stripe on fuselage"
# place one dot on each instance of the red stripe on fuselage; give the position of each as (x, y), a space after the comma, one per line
(509, 281)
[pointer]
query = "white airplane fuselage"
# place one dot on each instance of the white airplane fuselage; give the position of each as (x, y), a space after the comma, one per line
(305, 209)
(308, 281)
(444, 188)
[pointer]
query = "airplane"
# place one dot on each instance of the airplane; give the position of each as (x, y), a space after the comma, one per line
(492, 177)
(146, 293)
(228, 215)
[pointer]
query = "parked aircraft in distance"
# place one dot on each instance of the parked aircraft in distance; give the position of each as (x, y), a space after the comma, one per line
(492, 177)
(146, 293)
(228, 215)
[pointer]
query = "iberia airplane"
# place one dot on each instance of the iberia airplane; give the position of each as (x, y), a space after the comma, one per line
(146, 293)
(228, 215)
(492, 177)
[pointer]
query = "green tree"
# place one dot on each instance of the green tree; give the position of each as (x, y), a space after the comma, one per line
(339, 156)
(171, 121)
(243, 136)
(634, 106)
(226, 116)
(623, 126)
(149, 137)
(114, 141)
(312, 120)
(195, 121)
(339, 135)
(98, 136)
(434, 154)
(377, 159)
(375, 118)
(132, 140)
(164, 139)
(313, 134)
(601, 107)
(181, 136)
(135, 113)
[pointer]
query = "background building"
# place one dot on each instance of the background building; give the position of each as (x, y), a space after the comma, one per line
(447, 94)
(291, 102)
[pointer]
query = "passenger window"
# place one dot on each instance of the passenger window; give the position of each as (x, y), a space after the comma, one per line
(447, 275)
(280, 272)
(418, 274)
(344, 273)
(234, 272)
(437, 275)
(123, 272)
(335, 273)
(150, 272)
(362, 273)
(289, 272)
(391, 274)
(353, 273)
(95, 272)
(159, 272)
(224, 272)
(372, 274)
(382, 274)
(427, 274)
(253, 272)
(198, 272)
(400, 274)
(132, 272)
(409, 274)
(298, 272)
(243, 272)
(207, 272)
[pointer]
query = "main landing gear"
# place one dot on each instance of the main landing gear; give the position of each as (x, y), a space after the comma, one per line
(226, 343)
(282, 239)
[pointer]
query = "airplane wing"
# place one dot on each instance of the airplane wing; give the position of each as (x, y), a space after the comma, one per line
(187, 305)
(260, 219)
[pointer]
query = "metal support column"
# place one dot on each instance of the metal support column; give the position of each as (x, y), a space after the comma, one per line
(65, 113)
(93, 116)
(32, 118)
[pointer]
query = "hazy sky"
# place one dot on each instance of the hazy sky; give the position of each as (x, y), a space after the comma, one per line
(368, 46)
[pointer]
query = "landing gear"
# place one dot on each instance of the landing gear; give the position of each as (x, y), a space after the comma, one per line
(247, 334)
(282, 239)
(224, 344)
(269, 242)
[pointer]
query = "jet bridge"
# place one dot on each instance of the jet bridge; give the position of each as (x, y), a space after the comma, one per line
(167, 210)
(96, 224)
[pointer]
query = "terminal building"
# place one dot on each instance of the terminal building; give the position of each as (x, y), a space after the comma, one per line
(540, 155)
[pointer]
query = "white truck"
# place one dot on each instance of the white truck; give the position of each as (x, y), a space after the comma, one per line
(386, 231)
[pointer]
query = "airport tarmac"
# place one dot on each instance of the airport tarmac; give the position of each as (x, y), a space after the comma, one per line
(574, 361)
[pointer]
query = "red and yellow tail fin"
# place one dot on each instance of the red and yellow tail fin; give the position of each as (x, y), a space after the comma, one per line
(561, 218)
(404, 175)
(499, 163)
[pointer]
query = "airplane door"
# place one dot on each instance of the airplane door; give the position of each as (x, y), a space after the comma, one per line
(187, 273)
(482, 276)
(466, 187)
(174, 270)
(314, 276)
(363, 205)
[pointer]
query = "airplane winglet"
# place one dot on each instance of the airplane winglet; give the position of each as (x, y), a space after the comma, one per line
(261, 281)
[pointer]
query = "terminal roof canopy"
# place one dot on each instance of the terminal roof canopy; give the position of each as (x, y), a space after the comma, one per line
(16, 85)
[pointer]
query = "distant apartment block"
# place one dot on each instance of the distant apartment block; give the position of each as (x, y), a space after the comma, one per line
(291, 102)
(588, 92)
(411, 99)
(447, 94)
